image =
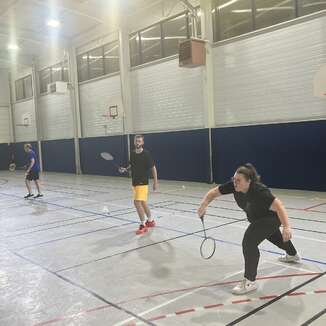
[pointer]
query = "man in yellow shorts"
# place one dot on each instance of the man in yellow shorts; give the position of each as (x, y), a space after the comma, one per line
(141, 163)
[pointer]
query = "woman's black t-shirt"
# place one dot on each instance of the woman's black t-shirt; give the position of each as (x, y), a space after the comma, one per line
(256, 202)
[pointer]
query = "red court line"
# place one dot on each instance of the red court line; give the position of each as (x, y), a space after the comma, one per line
(84, 312)
(308, 208)
(197, 309)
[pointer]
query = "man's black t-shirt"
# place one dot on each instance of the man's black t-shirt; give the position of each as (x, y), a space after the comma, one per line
(256, 202)
(140, 166)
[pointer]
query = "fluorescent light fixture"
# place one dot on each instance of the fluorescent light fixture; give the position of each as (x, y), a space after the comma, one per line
(53, 23)
(13, 46)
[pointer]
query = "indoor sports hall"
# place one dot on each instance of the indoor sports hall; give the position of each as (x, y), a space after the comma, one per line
(162, 162)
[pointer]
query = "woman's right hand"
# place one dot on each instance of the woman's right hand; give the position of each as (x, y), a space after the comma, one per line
(202, 210)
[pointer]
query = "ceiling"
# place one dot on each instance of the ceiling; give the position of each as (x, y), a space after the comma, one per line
(24, 22)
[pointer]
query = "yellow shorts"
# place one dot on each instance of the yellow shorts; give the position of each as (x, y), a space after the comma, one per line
(140, 192)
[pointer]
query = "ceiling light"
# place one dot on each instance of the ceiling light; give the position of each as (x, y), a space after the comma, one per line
(53, 23)
(13, 46)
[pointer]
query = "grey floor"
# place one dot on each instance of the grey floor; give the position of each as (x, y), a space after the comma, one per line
(72, 258)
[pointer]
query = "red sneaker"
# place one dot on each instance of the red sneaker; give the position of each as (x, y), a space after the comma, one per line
(142, 229)
(150, 224)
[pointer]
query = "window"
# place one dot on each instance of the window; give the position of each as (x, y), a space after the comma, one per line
(236, 17)
(24, 88)
(174, 31)
(28, 88)
(82, 65)
(95, 63)
(198, 24)
(307, 7)
(134, 47)
(233, 18)
(19, 86)
(58, 72)
(45, 79)
(111, 58)
(98, 62)
(151, 41)
(271, 12)
(65, 72)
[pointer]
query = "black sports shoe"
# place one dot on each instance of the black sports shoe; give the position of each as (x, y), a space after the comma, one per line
(38, 196)
(28, 196)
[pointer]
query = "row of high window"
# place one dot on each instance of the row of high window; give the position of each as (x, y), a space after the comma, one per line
(230, 18)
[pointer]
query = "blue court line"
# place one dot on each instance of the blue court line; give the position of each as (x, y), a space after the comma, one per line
(164, 228)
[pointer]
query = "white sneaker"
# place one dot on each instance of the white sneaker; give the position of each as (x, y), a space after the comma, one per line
(289, 259)
(244, 287)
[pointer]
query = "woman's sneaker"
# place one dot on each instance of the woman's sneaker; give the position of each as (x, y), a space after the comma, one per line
(289, 259)
(245, 286)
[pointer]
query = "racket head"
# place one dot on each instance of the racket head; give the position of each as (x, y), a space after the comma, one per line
(207, 248)
(12, 167)
(107, 156)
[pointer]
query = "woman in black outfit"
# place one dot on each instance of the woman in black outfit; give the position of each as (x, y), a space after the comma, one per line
(265, 213)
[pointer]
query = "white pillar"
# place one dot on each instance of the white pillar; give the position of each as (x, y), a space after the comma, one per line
(208, 74)
(38, 118)
(75, 106)
(125, 79)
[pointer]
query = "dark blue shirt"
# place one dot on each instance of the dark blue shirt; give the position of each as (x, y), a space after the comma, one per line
(36, 166)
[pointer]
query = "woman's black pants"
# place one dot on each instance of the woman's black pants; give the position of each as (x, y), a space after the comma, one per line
(258, 231)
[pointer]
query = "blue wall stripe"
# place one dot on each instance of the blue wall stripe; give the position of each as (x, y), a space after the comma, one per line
(91, 148)
(59, 155)
(180, 155)
(4, 156)
(289, 155)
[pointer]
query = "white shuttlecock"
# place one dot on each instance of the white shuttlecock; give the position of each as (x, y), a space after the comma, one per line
(183, 187)
(105, 209)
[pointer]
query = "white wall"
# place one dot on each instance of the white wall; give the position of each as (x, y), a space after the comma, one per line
(166, 97)
(4, 107)
(22, 133)
(56, 116)
(269, 77)
(95, 99)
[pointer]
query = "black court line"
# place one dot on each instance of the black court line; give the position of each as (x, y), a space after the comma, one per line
(91, 292)
(128, 220)
(61, 226)
(239, 210)
(45, 224)
(80, 217)
(124, 210)
(227, 217)
(64, 225)
(313, 318)
(185, 234)
(254, 311)
(72, 236)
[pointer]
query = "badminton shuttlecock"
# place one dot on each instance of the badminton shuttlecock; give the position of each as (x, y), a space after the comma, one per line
(183, 187)
(105, 209)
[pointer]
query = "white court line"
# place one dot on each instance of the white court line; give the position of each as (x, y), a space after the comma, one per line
(171, 301)
(288, 266)
(196, 290)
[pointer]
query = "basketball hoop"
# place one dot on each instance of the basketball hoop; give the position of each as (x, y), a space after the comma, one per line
(112, 112)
